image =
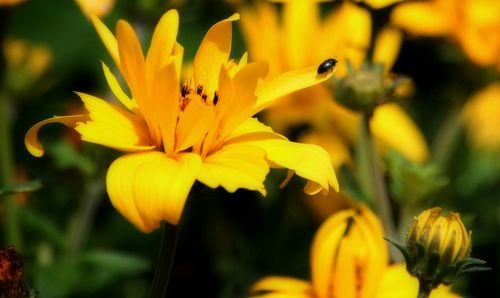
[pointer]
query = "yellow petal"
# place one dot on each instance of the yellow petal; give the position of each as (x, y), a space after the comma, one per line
(194, 123)
(393, 128)
(407, 285)
(113, 127)
(237, 108)
(281, 284)
(117, 89)
(149, 187)
(31, 139)
(307, 160)
(387, 46)
(270, 90)
(163, 41)
(346, 34)
(212, 54)
(423, 18)
(165, 103)
(300, 28)
(133, 66)
(376, 4)
(107, 38)
(235, 166)
(324, 249)
(100, 8)
(261, 30)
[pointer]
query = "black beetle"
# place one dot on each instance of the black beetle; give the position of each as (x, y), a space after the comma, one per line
(327, 65)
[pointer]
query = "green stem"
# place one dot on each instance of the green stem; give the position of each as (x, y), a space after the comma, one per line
(164, 264)
(375, 186)
(12, 228)
(424, 291)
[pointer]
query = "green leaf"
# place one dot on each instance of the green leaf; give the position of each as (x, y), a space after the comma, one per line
(43, 226)
(413, 183)
(20, 187)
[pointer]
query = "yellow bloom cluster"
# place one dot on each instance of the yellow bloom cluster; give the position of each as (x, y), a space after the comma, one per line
(474, 24)
(201, 130)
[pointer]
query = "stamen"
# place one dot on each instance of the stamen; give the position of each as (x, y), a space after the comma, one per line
(216, 98)
(199, 89)
(204, 96)
(185, 90)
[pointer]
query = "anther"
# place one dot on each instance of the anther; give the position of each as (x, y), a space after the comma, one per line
(199, 89)
(216, 98)
(204, 97)
(184, 90)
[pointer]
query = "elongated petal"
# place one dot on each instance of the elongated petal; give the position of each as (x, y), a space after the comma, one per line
(133, 65)
(423, 18)
(163, 41)
(165, 103)
(387, 46)
(117, 89)
(31, 139)
(324, 249)
(107, 38)
(149, 187)
(194, 123)
(394, 129)
(235, 166)
(212, 54)
(300, 28)
(307, 160)
(282, 284)
(270, 90)
(113, 127)
(238, 107)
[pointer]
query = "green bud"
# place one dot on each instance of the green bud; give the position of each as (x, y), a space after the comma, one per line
(364, 89)
(437, 248)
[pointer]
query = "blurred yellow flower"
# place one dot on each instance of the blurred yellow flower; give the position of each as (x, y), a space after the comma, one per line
(99, 8)
(302, 38)
(10, 2)
(474, 24)
(481, 116)
(349, 258)
(202, 131)
(32, 58)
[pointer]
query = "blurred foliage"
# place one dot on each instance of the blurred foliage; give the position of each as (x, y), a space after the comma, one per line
(74, 244)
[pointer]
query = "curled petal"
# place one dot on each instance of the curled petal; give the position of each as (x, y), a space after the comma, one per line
(235, 166)
(31, 139)
(270, 90)
(149, 187)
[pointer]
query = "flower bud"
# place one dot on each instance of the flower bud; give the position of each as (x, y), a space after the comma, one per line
(437, 248)
(364, 89)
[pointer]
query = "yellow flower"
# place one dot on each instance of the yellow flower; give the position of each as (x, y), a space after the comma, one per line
(481, 116)
(31, 58)
(10, 2)
(301, 39)
(99, 8)
(348, 259)
(474, 24)
(203, 131)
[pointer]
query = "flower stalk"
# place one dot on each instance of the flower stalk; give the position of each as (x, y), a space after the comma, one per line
(375, 185)
(164, 264)
(12, 229)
